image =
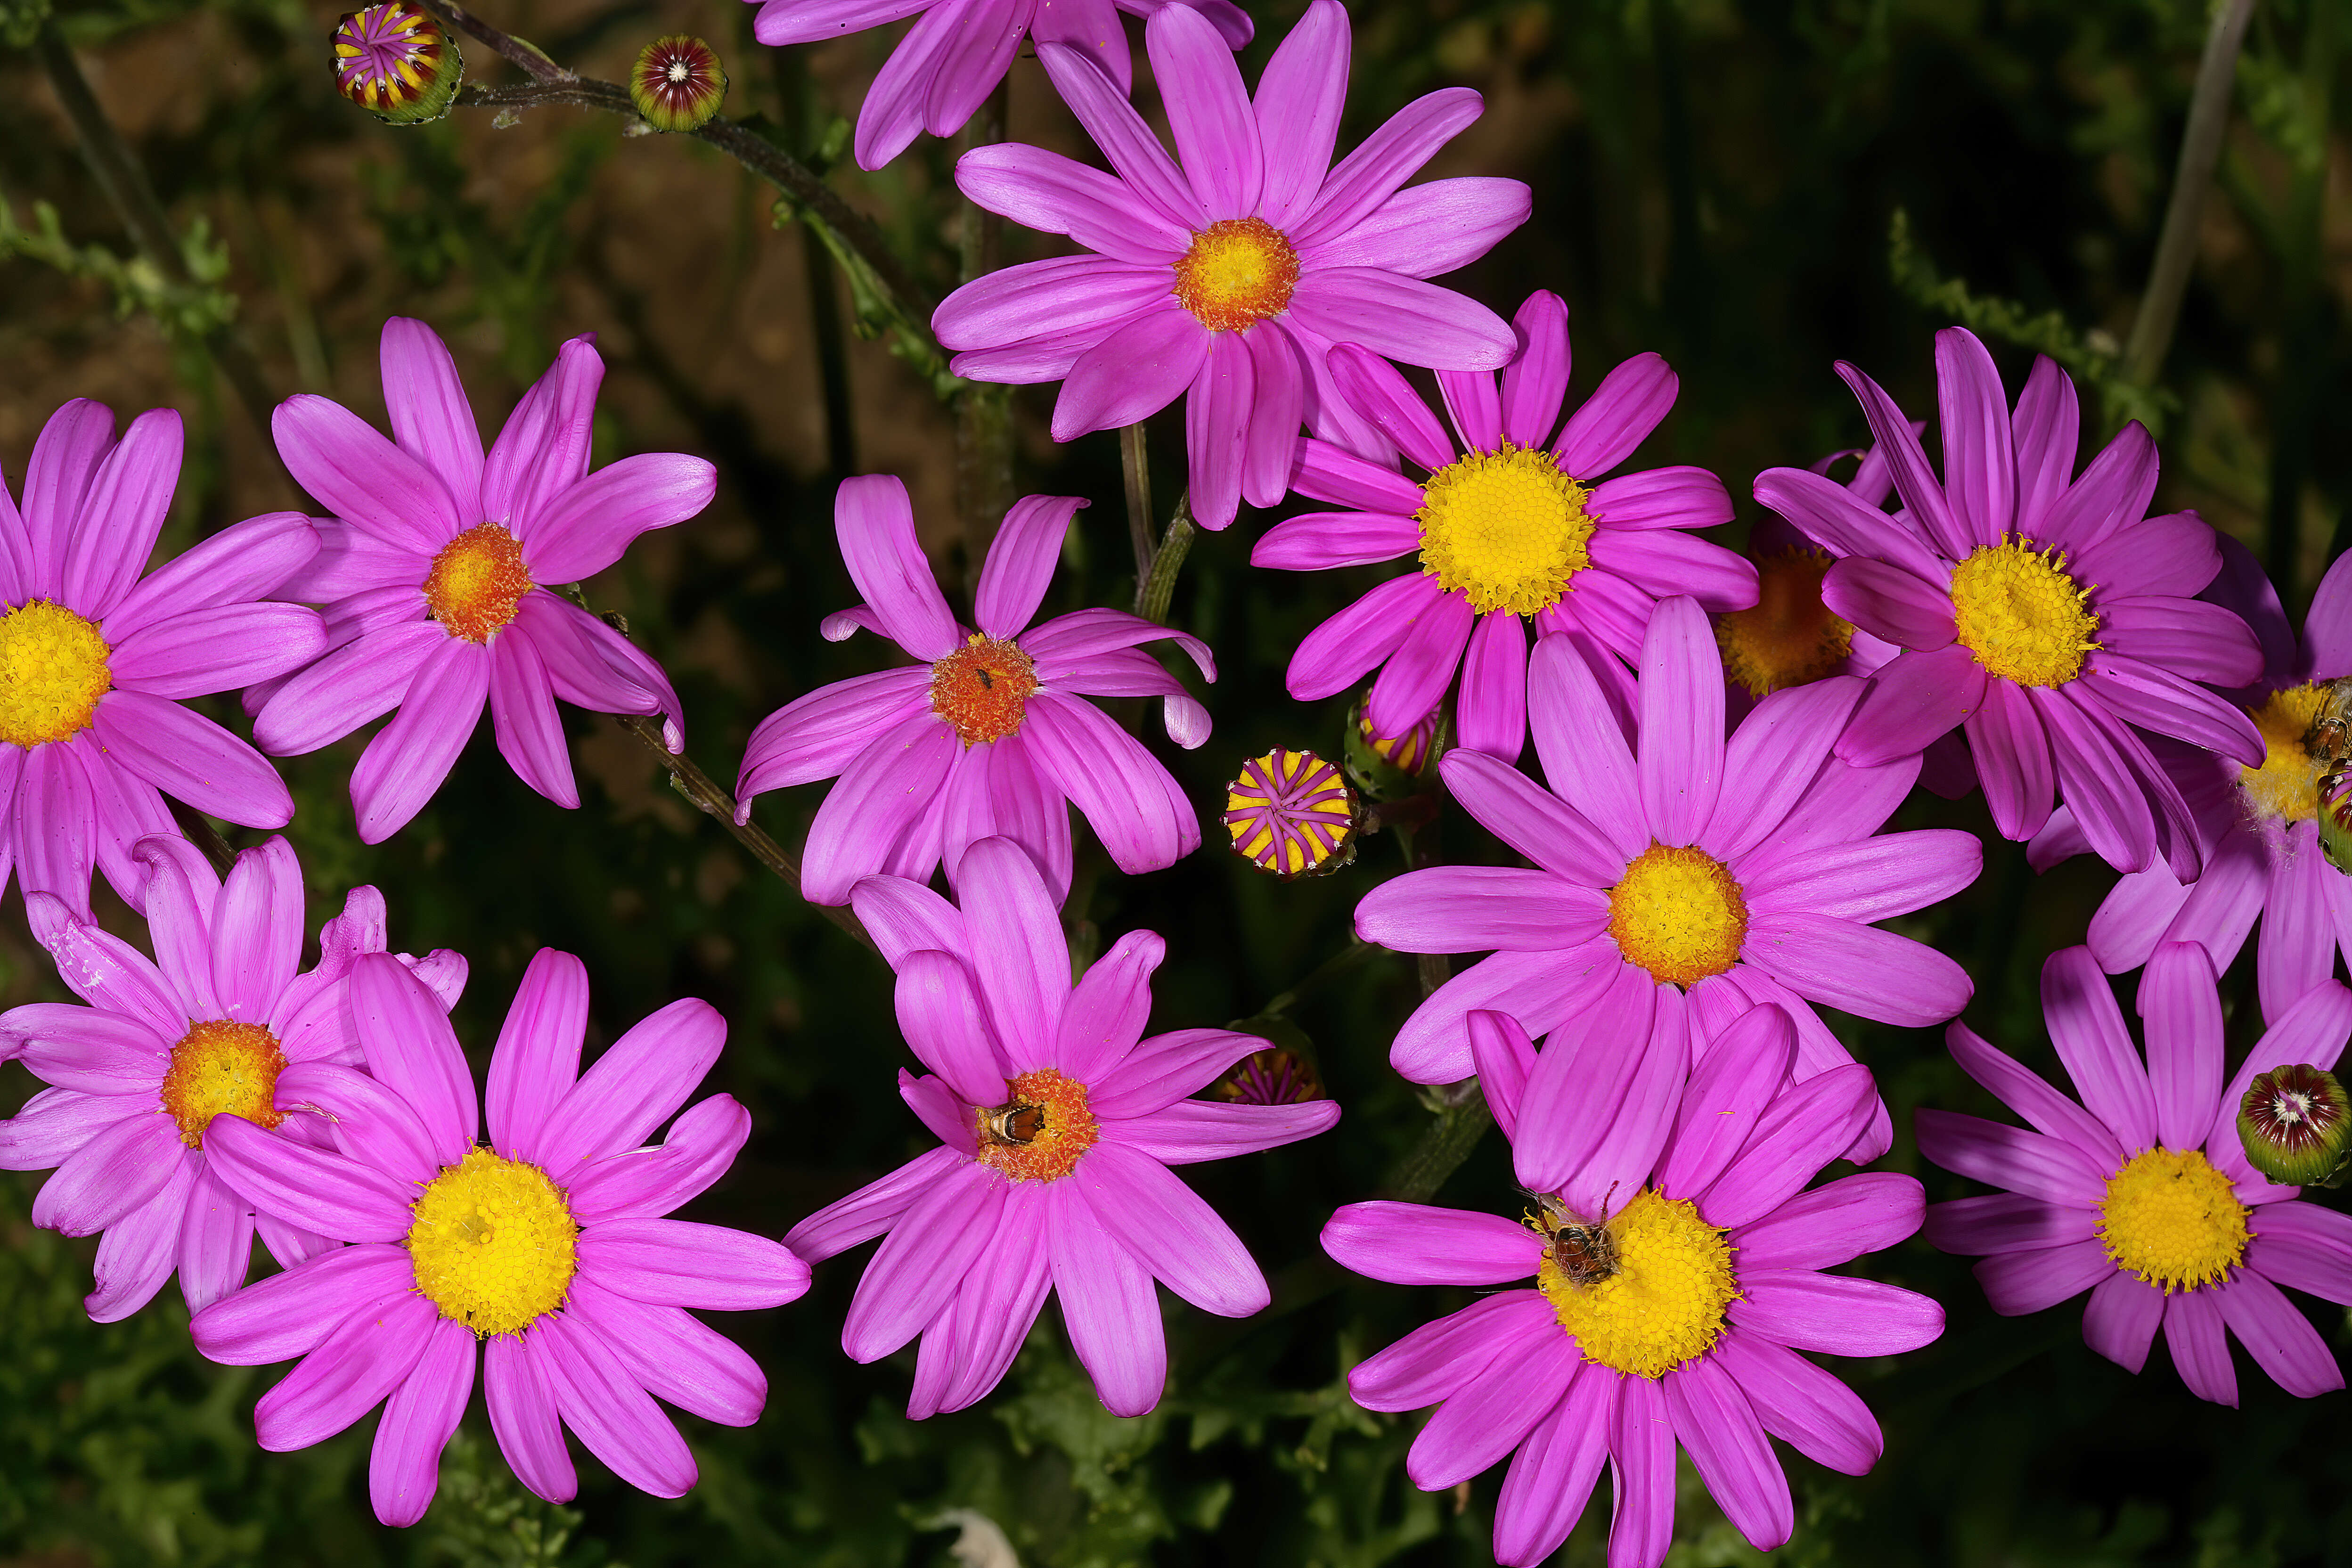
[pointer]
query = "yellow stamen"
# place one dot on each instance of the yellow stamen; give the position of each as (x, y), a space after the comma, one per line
(477, 580)
(1665, 1302)
(2022, 616)
(1239, 271)
(2172, 1219)
(1679, 915)
(53, 670)
(1788, 637)
(2286, 788)
(1040, 1131)
(222, 1065)
(493, 1244)
(1507, 527)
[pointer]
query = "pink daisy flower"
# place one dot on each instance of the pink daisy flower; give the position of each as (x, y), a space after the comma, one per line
(545, 1246)
(436, 569)
(1514, 523)
(958, 50)
(1678, 879)
(2045, 614)
(987, 735)
(1679, 1267)
(95, 660)
(1227, 280)
(1057, 1123)
(2259, 826)
(218, 1021)
(2141, 1193)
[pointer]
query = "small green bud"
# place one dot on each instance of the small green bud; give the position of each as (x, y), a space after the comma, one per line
(678, 83)
(2296, 1126)
(397, 63)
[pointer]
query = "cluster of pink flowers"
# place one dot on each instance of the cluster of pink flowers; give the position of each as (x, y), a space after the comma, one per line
(1703, 870)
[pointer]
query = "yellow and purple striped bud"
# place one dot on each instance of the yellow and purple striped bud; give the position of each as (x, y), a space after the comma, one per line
(1273, 1076)
(678, 83)
(2296, 1126)
(397, 63)
(1290, 813)
(1391, 767)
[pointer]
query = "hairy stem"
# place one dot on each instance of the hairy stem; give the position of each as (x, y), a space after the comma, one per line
(1135, 465)
(1156, 586)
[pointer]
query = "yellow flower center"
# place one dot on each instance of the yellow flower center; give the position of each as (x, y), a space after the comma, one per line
(1506, 528)
(2021, 616)
(1666, 1301)
(494, 1245)
(1788, 637)
(983, 689)
(2172, 1219)
(477, 580)
(2286, 788)
(1239, 271)
(222, 1065)
(52, 673)
(1040, 1131)
(1679, 914)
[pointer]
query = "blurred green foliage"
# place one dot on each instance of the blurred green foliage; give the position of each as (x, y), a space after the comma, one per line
(1755, 187)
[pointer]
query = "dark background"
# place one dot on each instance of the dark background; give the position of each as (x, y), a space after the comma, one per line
(1720, 180)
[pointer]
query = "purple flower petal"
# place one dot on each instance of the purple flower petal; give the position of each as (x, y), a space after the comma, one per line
(1218, 413)
(1856, 968)
(1681, 762)
(522, 1414)
(2003, 1222)
(1830, 1314)
(584, 528)
(1402, 319)
(1728, 1089)
(2200, 1354)
(140, 1250)
(431, 419)
(405, 1032)
(677, 1263)
(1618, 418)
(1777, 753)
(1333, 474)
(1166, 1068)
(2181, 1010)
(537, 1058)
(2113, 493)
(2303, 1246)
(610, 1411)
(1300, 98)
(87, 1050)
(242, 562)
(1020, 564)
(1727, 1444)
(1925, 500)
(363, 1359)
(1383, 161)
(371, 1123)
(916, 1271)
(1807, 1408)
(1585, 758)
(2194, 640)
(948, 1028)
(419, 1419)
(190, 758)
(1208, 109)
(1173, 1232)
(2278, 1336)
(1140, 813)
(1551, 1477)
(672, 1354)
(1336, 654)
(1414, 1244)
(871, 1209)
(2087, 1028)
(1491, 1413)
(71, 446)
(523, 718)
(875, 819)
(875, 525)
(1431, 229)
(1279, 406)
(636, 1085)
(123, 513)
(1191, 1130)
(544, 449)
(1980, 453)
(361, 680)
(1530, 819)
(2025, 1092)
(57, 1121)
(121, 1166)
(1108, 1007)
(2121, 1317)
(1910, 703)
(1107, 1304)
(1383, 396)
(2028, 1163)
(1642, 1476)
(1154, 183)
(287, 1315)
(819, 735)
(1599, 1089)
(1801, 1131)
(1833, 1223)
(362, 477)
(1889, 602)
(323, 1191)
(2045, 430)
(1480, 908)
(1538, 989)
(409, 758)
(1436, 1358)
(1137, 371)
(1840, 523)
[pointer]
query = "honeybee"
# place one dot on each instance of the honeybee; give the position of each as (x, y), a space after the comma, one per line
(1017, 1126)
(2330, 741)
(1584, 1253)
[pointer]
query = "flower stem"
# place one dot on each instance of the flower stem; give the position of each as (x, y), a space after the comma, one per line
(1156, 584)
(2200, 148)
(1135, 463)
(1446, 1142)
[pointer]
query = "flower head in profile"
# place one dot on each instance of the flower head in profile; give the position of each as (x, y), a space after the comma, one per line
(958, 50)
(436, 575)
(2257, 825)
(222, 1019)
(2141, 1193)
(1678, 878)
(2044, 614)
(543, 1249)
(1057, 1121)
(1516, 524)
(1226, 279)
(988, 734)
(1679, 1268)
(95, 660)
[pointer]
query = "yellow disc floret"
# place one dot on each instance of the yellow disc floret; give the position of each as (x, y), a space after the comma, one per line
(1788, 638)
(2286, 786)
(1507, 527)
(222, 1065)
(493, 1244)
(1679, 914)
(1664, 1304)
(2021, 616)
(2172, 1219)
(53, 670)
(1040, 1131)
(983, 689)
(1239, 271)
(476, 582)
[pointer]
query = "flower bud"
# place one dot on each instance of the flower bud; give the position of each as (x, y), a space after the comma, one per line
(2335, 817)
(397, 63)
(1290, 813)
(1391, 767)
(678, 83)
(2296, 1126)
(1273, 1076)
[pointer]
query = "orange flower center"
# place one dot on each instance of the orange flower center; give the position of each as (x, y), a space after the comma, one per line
(1239, 271)
(477, 580)
(222, 1065)
(1040, 1131)
(983, 689)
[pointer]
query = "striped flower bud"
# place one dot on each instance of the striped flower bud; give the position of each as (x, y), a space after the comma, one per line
(1290, 813)
(1391, 767)
(678, 83)
(2296, 1126)
(397, 63)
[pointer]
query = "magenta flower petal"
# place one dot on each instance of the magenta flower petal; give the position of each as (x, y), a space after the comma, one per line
(2028, 1162)
(287, 1315)
(1618, 417)
(431, 419)
(419, 1418)
(871, 1210)
(1191, 1130)
(1411, 1244)
(637, 1084)
(2279, 1337)
(1383, 160)
(948, 1028)
(2303, 1246)
(1315, 540)
(1728, 1089)
(542, 449)
(2087, 1028)
(2183, 1014)
(875, 525)
(1174, 1233)
(523, 717)
(1490, 1415)
(1154, 183)
(2200, 1352)
(140, 1250)
(1142, 819)
(122, 1166)
(372, 1124)
(1832, 1314)
(1979, 451)
(1718, 1427)
(1108, 1007)
(1551, 1478)
(1681, 763)
(1107, 1305)
(1833, 1223)
(522, 1415)
(1802, 1132)
(1137, 369)
(363, 679)
(538, 1054)
(360, 1362)
(675, 1263)
(1166, 1068)
(57, 1121)
(410, 1046)
(2003, 1222)
(1642, 1470)
(327, 1192)
(1461, 908)
(1335, 655)
(916, 1270)
(70, 447)
(702, 1145)
(584, 528)
(362, 477)
(673, 1355)
(1300, 97)
(1021, 562)
(609, 1412)
(409, 758)
(1208, 111)
(191, 758)
(122, 513)
(1803, 1405)
(2121, 1319)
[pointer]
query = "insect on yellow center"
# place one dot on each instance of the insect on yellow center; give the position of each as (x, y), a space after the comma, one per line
(1040, 1131)
(983, 689)
(2172, 1219)
(222, 1065)
(2286, 788)
(2022, 616)
(1788, 637)
(476, 582)
(493, 1244)
(1506, 528)
(53, 670)
(1239, 271)
(1679, 914)
(1664, 1302)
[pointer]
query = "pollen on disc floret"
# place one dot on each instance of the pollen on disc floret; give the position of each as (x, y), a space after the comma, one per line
(493, 1244)
(2022, 615)
(1678, 913)
(1666, 1301)
(476, 582)
(222, 1067)
(2286, 787)
(1506, 528)
(983, 689)
(2173, 1219)
(1237, 272)
(1788, 637)
(1038, 1133)
(53, 670)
